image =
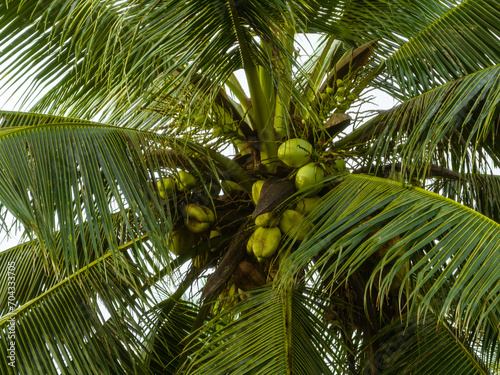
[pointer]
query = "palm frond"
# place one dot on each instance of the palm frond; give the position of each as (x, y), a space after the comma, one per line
(360, 21)
(9, 119)
(171, 329)
(461, 42)
(95, 171)
(272, 332)
(453, 126)
(64, 328)
(424, 347)
(34, 276)
(481, 192)
(405, 236)
(138, 51)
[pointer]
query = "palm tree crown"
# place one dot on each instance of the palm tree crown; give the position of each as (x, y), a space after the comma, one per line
(332, 242)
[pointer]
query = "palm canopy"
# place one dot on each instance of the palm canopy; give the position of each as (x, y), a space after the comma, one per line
(136, 221)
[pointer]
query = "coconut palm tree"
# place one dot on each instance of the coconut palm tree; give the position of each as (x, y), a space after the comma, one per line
(175, 222)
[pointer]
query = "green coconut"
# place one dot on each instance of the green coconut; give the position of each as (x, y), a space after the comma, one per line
(186, 181)
(198, 218)
(307, 175)
(266, 220)
(294, 225)
(265, 242)
(250, 244)
(181, 241)
(256, 188)
(167, 185)
(295, 152)
(304, 205)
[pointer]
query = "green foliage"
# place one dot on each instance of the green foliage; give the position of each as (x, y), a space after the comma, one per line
(392, 270)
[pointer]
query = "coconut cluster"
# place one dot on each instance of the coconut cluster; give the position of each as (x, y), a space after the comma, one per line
(293, 222)
(198, 222)
(338, 98)
(183, 182)
(197, 219)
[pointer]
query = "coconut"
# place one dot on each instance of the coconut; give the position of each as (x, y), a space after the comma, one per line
(198, 218)
(295, 152)
(181, 241)
(307, 175)
(293, 225)
(197, 226)
(186, 181)
(304, 205)
(250, 244)
(339, 165)
(256, 188)
(266, 220)
(167, 185)
(265, 242)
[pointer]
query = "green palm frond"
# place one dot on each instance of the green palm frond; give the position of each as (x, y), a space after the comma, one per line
(461, 42)
(423, 347)
(487, 347)
(453, 126)
(481, 192)
(10, 119)
(167, 336)
(360, 21)
(127, 68)
(64, 328)
(34, 159)
(273, 332)
(35, 276)
(105, 170)
(317, 66)
(400, 236)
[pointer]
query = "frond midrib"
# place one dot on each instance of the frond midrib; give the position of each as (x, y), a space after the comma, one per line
(18, 310)
(429, 194)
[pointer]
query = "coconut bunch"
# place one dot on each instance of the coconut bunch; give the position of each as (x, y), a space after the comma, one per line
(293, 222)
(339, 99)
(271, 147)
(197, 219)
(183, 182)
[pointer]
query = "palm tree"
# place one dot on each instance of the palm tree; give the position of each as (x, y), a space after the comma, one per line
(332, 242)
